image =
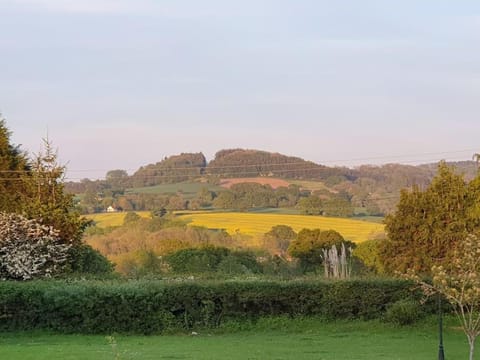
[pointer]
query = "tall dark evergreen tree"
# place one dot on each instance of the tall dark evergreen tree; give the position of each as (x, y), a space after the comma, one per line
(13, 169)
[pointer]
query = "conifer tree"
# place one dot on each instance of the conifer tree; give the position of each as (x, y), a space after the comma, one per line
(427, 225)
(13, 169)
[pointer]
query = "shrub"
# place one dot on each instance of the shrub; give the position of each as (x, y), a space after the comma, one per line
(131, 218)
(153, 306)
(404, 312)
(86, 260)
(29, 249)
(210, 259)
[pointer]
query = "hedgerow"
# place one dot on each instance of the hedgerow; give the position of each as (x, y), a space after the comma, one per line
(148, 307)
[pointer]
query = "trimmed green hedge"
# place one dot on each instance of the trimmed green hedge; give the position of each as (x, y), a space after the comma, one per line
(154, 306)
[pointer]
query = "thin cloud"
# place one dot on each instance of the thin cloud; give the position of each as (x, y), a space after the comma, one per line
(181, 9)
(83, 6)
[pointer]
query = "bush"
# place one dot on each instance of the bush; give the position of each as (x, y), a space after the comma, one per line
(84, 259)
(211, 259)
(154, 307)
(29, 249)
(404, 312)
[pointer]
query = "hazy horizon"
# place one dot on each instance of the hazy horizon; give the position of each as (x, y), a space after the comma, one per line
(121, 84)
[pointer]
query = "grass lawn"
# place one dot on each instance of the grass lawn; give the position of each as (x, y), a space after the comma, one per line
(269, 339)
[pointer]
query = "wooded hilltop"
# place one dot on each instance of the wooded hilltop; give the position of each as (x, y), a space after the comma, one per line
(308, 187)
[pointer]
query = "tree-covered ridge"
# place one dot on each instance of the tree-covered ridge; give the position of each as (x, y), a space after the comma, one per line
(339, 191)
(248, 163)
(173, 169)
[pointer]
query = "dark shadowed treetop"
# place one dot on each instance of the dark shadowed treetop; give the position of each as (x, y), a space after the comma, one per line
(14, 167)
(248, 163)
(173, 169)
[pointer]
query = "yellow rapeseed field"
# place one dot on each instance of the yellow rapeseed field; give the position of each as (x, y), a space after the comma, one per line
(256, 224)
(113, 219)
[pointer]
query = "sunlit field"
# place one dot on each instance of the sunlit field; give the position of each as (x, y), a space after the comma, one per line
(113, 219)
(255, 224)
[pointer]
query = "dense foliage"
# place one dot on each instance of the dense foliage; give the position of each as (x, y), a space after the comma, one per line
(176, 168)
(309, 245)
(212, 259)
(427, 225)
(153, 307)
(29, 249)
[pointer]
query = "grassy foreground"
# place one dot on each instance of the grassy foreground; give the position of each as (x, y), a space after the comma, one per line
(269, 339)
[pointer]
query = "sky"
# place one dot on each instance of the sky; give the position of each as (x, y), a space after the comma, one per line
(117, 84)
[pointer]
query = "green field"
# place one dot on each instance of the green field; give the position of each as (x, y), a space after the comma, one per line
(256, 224)
(310, 185)
(269, 339)
(188, 189)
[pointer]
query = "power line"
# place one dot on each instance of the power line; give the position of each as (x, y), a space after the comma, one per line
(319, 163)
(314, 167)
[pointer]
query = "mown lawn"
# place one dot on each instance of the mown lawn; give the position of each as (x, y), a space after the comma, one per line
(270, 339)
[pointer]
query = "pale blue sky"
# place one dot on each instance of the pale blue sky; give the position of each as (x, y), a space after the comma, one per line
(122, 83)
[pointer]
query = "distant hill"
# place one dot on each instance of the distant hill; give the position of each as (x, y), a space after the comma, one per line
(369, 189)
(173, 169)
(235, 163)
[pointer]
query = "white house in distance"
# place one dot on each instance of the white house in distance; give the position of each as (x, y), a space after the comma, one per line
(111, 209)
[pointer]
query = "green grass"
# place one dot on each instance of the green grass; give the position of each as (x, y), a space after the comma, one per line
(310, 185)
(188, 189)
(269, 339)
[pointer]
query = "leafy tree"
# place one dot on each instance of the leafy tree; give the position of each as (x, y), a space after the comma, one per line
(277, 240)
(118, 180)
(225, 200)
(205, 197)
(459, 283)
(428, 224)
(311, 205)
(309, 245)
(282, 232)
(29, 249)
(131, 218)
(368, 253)
(338, 206)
